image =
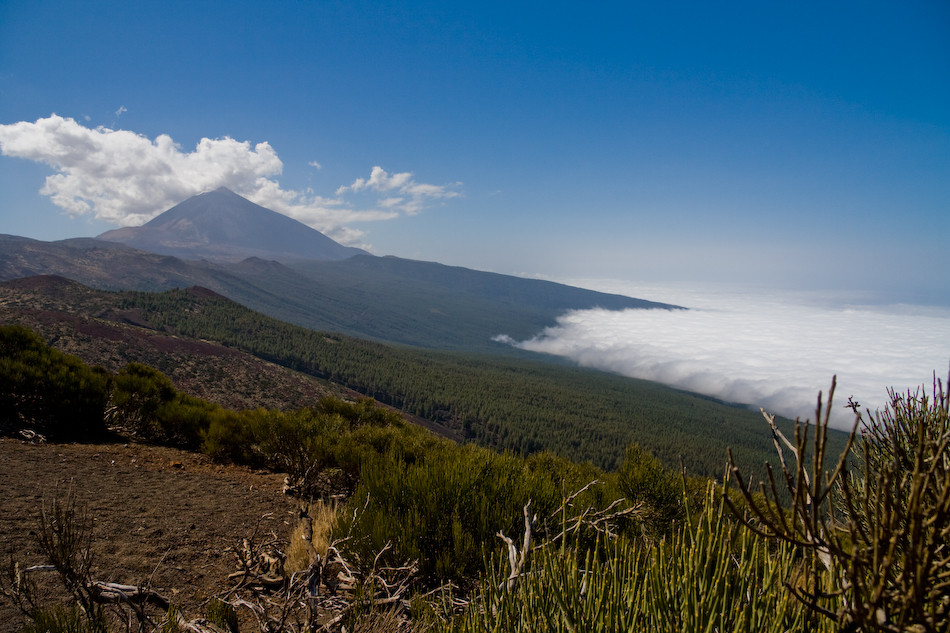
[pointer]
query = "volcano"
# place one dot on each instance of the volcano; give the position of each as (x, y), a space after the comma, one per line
(221, 226)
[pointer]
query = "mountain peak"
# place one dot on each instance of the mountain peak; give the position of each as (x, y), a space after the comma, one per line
(221, 225)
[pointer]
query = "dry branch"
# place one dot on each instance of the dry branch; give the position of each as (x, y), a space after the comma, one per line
(518, 559)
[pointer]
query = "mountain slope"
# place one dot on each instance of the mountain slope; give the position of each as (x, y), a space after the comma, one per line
(522, 405)
(91, 325)
(101, 330)
(418, 303)
(382, 298)
(222, 226)
(101, 264)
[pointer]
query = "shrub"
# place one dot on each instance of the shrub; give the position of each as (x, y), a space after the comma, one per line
(441, 511)
(138, 392)
(709, 575)
(643, 479)
(446, 509)
(45, 390)
(184, 420)
(146, 403)
(875, 542)
(321, 449)
(230, 436)
(363, 412)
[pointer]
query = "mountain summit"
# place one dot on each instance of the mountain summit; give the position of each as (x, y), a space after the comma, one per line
(222, 226)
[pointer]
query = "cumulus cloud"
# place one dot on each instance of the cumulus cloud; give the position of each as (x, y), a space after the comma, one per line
(774, 352)
(127, 179)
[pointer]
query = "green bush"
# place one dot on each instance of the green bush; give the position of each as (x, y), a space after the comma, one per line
(45, 390)
(138, 392)
(146, 403)
(445, 508)
(230, 436)
(709, 575)
(183, 421)
(643, 479)
(363, 412)
(321, 449)
(442, 511)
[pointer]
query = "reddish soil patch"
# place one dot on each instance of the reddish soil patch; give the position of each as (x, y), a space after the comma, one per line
(158, 513)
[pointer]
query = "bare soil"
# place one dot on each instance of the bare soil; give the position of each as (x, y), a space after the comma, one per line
(162, 516)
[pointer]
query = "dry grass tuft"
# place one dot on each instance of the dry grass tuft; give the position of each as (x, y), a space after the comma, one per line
(312, 535)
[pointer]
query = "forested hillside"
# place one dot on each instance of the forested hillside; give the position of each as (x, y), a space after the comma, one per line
(401, 532)
(522, 405)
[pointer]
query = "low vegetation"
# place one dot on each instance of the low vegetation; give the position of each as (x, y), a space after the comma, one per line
(47, 391)
(400, 530)
(518, 405)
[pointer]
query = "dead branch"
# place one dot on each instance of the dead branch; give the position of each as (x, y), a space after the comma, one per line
(602, 521)
(323, 597)
(517, 559)
(115, 593)
(101, 592)
(198, 625)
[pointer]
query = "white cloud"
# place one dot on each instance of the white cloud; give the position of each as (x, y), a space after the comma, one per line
(126, 178)
(329, 215)
(388, 203)
(413, 196)
(775, 352)
(315, 164)
(121, 111)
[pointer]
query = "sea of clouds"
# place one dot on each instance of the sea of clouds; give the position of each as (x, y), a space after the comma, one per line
(774, 350)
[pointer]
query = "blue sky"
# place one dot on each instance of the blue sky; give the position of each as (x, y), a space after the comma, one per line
(787, 145)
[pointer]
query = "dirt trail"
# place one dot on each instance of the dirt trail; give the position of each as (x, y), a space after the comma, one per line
(159, 513)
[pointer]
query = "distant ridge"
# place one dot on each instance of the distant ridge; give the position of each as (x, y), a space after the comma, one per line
(424, 304)
(222, 226)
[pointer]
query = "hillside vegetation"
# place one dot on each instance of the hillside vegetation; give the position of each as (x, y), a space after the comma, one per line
(405, 531)
(523, 405)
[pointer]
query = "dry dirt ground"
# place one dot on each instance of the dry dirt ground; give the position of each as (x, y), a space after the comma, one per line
(160, 514)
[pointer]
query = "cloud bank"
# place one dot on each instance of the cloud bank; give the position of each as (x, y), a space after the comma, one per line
(126, 178)
(769, 351)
